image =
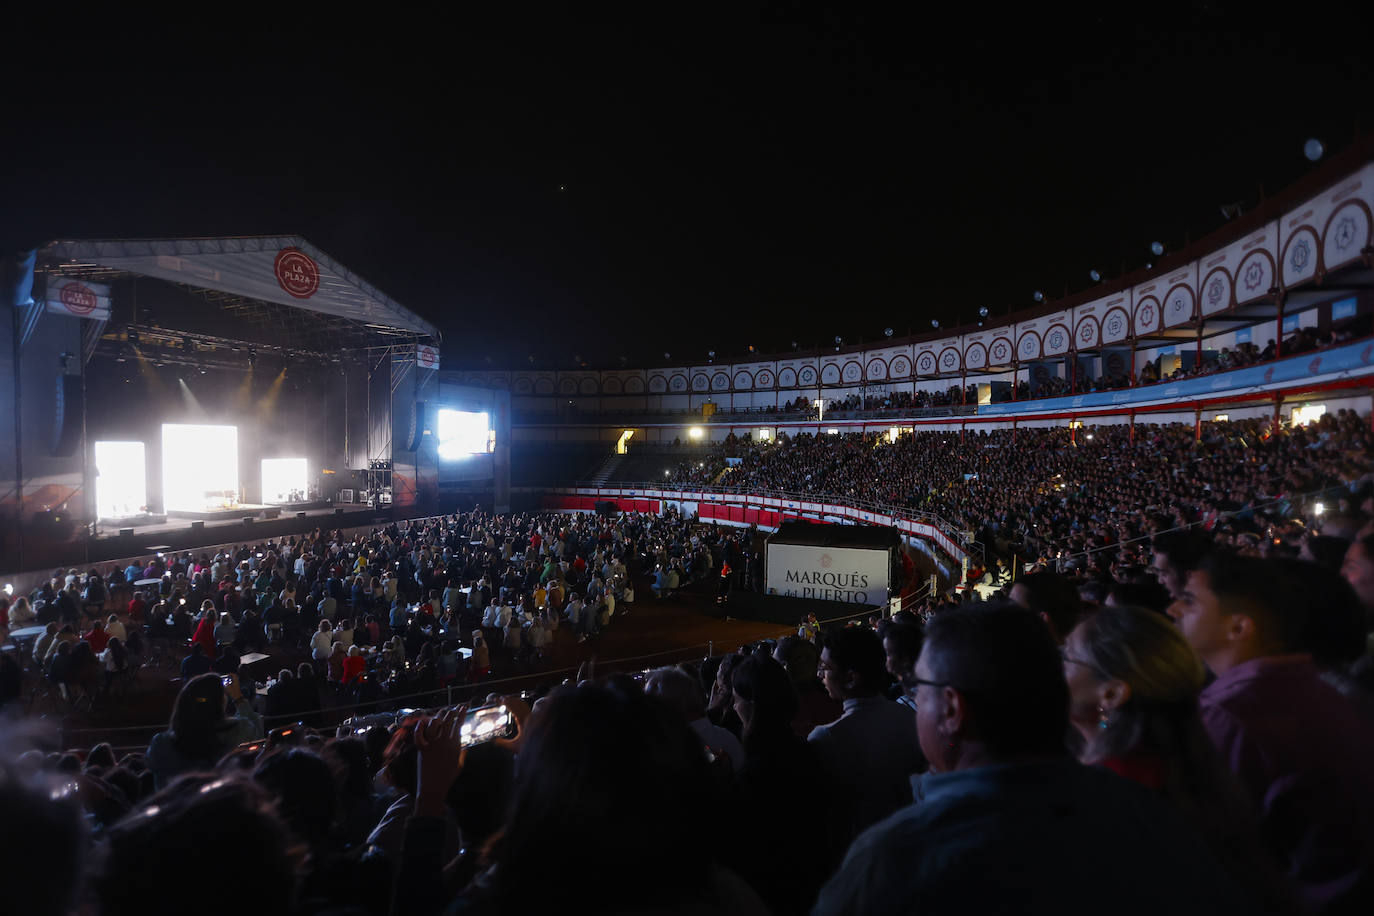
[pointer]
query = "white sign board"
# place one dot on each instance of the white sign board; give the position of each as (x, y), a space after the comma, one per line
(845, 574)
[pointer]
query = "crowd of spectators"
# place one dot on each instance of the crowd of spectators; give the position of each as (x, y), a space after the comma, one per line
(395, 612)
(1070, 497)
(1209, 757)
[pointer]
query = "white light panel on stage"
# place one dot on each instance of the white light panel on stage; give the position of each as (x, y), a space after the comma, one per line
(121, 483)
(462, 433)
(283, 479)
(200, 467)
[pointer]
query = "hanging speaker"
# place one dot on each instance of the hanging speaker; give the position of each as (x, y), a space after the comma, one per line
(417, 426)
(66, 425)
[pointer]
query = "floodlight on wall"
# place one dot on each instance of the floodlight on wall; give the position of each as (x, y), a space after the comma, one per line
(935, 323)
(1038, 296)
(1156, 248)
(1094, 276)
(887, 332)
(1313, 149)
(983, 312)
(838, 340)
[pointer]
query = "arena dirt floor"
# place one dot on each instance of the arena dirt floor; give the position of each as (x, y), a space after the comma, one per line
(687, 626)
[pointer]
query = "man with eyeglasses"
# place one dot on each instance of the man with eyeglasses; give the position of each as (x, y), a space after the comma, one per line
(1007, 811)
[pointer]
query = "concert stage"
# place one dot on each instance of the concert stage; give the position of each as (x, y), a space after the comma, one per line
(178, 534)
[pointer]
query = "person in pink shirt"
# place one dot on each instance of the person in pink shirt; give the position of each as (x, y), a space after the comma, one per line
(1300, 748)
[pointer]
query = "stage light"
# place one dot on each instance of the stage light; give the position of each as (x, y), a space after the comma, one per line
(666, 473)
(832, 431)
(121, 479)
(200, 467)
(1038, 296)
(1156, 248)
(461, 433)
(1313, 149)
(696, 432)
(281, 476)
(1094, 276)
(1318, 508)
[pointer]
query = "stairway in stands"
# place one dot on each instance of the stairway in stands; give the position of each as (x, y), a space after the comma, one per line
(603, 473)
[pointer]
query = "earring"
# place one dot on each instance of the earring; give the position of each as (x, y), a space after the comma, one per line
(1102, 717)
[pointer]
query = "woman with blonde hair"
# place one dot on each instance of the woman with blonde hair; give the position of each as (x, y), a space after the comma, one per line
(1133, 696)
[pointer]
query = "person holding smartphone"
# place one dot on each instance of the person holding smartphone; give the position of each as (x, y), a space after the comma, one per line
(211, 717)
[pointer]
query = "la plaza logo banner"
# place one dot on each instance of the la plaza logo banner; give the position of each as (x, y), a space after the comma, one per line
(297, 273)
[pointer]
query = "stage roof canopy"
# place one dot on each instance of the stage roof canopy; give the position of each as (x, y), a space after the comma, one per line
(254, 276)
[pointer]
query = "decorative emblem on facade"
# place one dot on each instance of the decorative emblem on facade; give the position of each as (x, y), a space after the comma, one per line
(1302, 254)
(1254, 276)
(1146, 316)
(1345, 233)
(1056, 339)
(1215, 290)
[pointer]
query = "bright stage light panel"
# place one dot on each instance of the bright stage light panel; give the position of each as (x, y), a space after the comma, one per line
(121, 483)
(200, 467)
(462, 433)
(282, 475)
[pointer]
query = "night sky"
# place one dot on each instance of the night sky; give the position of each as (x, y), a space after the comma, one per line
(682, 185)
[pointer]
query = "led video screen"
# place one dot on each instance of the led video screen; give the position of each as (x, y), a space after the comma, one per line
(461, 433)
(200, 467)
(283, 480)
(121, 482)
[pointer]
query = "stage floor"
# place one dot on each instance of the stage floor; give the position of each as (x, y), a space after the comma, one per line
(228, 528)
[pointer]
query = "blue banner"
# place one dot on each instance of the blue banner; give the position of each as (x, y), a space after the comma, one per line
(1354, 359)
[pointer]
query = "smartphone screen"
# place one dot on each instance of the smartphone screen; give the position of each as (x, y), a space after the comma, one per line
(486, 723)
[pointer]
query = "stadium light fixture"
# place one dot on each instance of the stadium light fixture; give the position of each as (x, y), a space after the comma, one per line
(1313, 149)
(1038, 296)
(1094, 276)
(887, 332)
(696, 432)
(935, 323)
(1156, 248)
(983, 311)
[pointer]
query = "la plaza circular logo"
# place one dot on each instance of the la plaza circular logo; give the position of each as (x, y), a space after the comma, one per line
(78, 299)
(297, 273)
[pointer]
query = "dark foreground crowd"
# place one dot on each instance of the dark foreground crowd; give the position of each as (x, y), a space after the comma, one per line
(1050, 752)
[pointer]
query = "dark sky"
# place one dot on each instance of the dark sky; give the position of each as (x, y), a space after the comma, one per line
(678, 185)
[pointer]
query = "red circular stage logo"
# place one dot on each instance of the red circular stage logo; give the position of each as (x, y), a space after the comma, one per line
(297, 273)
(78, 299)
